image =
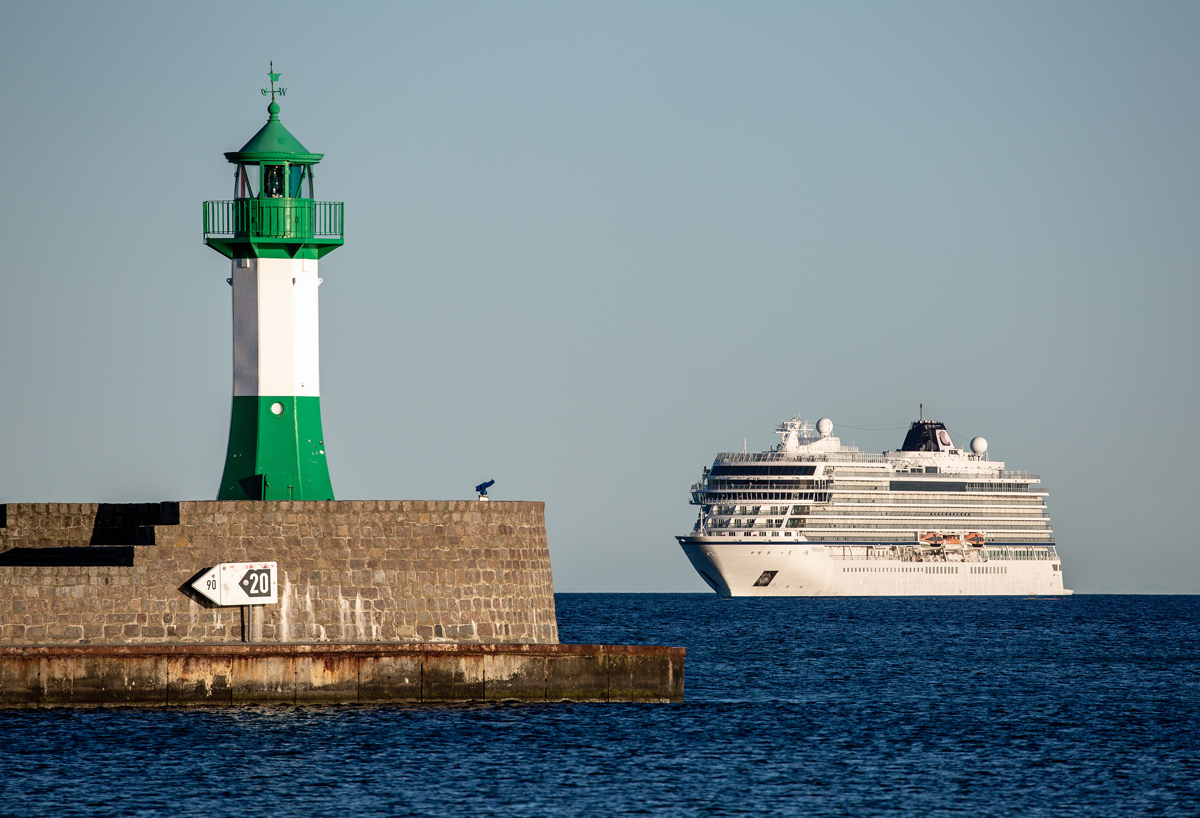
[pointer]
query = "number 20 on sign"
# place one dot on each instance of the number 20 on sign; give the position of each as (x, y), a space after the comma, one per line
(240, 583)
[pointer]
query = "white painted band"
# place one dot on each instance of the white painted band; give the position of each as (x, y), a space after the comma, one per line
(276, 343)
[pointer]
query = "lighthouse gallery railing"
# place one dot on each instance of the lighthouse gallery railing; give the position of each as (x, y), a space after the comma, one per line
(273, 219)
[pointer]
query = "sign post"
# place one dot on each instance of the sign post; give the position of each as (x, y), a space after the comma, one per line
(241, 584)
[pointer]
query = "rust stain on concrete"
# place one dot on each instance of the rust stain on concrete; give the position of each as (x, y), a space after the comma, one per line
(173, 675)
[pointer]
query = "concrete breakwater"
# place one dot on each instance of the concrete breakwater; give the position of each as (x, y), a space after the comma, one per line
(349, 571)
(189, 675)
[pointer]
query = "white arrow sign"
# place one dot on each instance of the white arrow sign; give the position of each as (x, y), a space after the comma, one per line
(240, 583)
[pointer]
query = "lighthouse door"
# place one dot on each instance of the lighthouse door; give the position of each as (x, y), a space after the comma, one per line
(280, 485)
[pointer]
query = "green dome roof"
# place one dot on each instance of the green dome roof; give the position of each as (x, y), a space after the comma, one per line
(273, 141)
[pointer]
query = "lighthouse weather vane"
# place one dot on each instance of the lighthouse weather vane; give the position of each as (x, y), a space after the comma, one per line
(274, 79)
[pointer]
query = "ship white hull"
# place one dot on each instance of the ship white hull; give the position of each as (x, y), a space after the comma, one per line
(811, 569)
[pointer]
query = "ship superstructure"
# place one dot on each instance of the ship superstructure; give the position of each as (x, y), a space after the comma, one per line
(811, 517)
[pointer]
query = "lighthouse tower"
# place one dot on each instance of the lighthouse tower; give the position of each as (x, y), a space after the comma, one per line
(274, 233)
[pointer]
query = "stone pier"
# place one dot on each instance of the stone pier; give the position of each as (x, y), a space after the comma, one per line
(357, 571)
(406, 601)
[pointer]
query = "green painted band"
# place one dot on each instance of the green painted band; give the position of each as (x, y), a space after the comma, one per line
(236, 248)
(276, 450)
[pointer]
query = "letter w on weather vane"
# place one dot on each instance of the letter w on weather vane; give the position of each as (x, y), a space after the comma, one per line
(274, 79)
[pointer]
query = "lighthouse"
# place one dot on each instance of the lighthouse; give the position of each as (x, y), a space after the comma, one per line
(274, 233)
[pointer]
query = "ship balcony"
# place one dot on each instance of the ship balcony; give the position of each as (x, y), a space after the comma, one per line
(291, 223)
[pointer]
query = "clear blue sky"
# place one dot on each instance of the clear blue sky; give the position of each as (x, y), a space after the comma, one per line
(589, 245)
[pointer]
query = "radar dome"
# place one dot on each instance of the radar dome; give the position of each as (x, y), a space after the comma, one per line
(978, 445)
(824, 426)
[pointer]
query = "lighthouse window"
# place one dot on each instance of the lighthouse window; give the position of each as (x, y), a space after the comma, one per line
(244, 182)
(272, 185)
(295, 177)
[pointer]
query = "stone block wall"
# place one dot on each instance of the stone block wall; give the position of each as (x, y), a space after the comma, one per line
(349, 571)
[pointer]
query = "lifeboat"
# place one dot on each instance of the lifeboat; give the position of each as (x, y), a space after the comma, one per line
(975, 539)
(932, 538)
(952, 540)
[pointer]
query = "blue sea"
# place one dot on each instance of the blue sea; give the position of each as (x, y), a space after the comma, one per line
(1088, 706)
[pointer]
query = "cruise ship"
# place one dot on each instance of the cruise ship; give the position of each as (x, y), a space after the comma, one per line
(811, 517)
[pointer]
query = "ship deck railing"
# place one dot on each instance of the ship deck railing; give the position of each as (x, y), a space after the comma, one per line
(774, 457)
(717, 492)
(910, 553)
(860, 457)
